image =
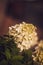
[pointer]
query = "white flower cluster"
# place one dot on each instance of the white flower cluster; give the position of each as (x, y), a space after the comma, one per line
(38, 54)
(24, 35)
(41, 44)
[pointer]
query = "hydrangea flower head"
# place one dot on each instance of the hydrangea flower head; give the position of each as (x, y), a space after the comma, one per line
(25, 35)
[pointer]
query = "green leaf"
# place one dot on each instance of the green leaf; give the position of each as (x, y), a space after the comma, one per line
(3, 62)
(8, 54)
(18, 57)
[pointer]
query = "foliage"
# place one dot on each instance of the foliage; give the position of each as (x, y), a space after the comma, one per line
(10, 54)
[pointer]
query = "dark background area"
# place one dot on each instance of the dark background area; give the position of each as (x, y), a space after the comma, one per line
(31, 11)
